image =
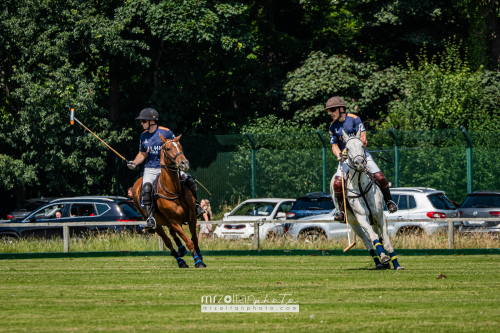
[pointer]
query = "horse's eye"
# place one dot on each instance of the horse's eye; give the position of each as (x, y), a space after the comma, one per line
(168, 149)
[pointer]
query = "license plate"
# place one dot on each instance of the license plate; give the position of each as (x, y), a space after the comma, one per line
(475, 222)
(232, 236)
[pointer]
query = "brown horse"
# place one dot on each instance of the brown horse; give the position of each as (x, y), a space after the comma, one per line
(175, 203)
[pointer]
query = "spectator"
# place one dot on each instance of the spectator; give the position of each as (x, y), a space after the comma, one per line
(58, 214)
(206, 229)
(129, 193)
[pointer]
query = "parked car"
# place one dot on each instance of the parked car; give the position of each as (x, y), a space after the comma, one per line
(253, 210)
(413, 203)
(27, 206)
(481, 204)
(80, 209)
(313, 203)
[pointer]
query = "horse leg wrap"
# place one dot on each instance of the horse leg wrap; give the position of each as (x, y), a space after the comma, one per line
(180, 262)
(381, 241)
(394, 260)
(197, 249)
(180, 246)
(198, 263)
(375, 258)
(381, 251)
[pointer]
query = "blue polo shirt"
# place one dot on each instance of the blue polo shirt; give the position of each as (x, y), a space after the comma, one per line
(350, 125)
(151, 143)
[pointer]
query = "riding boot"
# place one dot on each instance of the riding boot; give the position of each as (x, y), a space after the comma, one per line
(384, 187)
(148, 204)
(339, 196)
(191, 185)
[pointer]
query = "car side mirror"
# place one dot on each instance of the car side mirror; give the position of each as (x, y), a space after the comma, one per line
(281, 215)
(227, 214)
(32, 219)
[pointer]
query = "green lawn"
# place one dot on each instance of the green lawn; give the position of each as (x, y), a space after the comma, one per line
(335, 294)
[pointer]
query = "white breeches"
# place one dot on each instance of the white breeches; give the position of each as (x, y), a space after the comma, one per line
(150, 175)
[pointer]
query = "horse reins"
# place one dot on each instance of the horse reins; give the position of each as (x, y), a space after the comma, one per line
(362, 192)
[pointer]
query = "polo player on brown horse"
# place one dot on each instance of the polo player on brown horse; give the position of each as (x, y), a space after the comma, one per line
(175, 191)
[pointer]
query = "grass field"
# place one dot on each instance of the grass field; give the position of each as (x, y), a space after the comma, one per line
(151, 294)
(149, 242)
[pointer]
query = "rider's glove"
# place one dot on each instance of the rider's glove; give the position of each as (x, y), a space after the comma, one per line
(131, 165)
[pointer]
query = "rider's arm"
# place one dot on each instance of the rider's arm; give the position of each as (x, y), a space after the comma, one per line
(363, 138)
(336, 150)
(140, 158)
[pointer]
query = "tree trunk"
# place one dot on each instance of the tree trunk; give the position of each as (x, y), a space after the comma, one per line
(114, 91)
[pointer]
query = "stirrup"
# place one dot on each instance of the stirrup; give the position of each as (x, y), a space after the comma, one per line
(340, 214)
(150, 225)
(387, 204)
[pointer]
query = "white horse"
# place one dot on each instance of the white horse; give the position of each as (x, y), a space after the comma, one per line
(367, 203)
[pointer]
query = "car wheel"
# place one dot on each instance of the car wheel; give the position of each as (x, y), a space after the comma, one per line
(410, 231)
(312, 235)
(8, 239)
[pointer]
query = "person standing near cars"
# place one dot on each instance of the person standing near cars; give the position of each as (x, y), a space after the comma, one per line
(206, 229)
(351, 123)
(149, 150)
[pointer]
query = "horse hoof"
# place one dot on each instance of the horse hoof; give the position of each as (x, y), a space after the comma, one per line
(384, 258)
(400, 268)
(183, 265)
(379, 266)
(200, 265)
(387, 266)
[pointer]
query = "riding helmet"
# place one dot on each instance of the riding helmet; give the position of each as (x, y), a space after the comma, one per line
(148, 114)
(335, 102)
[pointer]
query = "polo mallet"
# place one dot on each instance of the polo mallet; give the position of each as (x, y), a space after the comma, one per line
(72, 120)
(345, 211)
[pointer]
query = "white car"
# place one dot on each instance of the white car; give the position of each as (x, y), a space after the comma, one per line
(254, 210)
(413, 203)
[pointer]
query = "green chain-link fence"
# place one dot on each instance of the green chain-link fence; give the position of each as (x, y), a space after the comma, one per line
(238, 167)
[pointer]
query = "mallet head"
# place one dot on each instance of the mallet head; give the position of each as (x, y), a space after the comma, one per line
(72, 116)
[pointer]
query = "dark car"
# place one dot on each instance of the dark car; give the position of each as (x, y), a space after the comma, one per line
(481, 204)
(27, 206)
(80, 209)
(314, 203)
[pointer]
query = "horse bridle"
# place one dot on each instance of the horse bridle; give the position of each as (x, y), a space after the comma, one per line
(362, 192)
(171, 167)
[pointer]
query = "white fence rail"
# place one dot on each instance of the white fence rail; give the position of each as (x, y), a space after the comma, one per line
(67, 225)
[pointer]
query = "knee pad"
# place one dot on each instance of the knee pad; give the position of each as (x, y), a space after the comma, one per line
(146, 194)
(337, 186)
(381, 180)
(189, 181)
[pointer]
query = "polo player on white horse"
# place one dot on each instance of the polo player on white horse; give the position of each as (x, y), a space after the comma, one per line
(351, 123)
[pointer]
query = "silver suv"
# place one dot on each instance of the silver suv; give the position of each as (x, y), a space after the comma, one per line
(420, 203)
(413, 203)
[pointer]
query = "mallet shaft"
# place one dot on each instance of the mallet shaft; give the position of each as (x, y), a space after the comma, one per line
(345, 210)
(114, 151)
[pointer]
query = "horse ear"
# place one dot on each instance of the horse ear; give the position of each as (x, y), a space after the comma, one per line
(358, 135)
(345, 136)
(178, 138)
(163, 140)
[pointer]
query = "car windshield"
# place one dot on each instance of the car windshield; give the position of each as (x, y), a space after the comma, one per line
(481, 201)
(313, 204)
(441, 201)
(28, 206)
(255, 209)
